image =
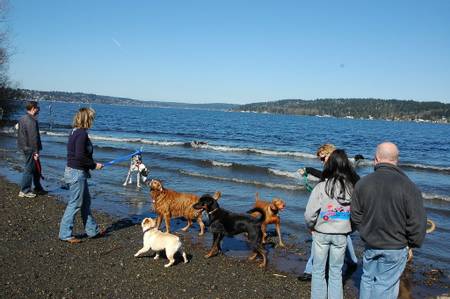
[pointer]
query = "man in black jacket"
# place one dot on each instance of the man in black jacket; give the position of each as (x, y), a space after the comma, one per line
(29, 141)
(387, 210)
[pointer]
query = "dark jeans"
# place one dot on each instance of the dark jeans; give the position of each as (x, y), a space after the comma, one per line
(30, 174)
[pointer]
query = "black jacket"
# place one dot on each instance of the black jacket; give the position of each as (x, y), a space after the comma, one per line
(28, 136)
(318, 174)
(387, 209)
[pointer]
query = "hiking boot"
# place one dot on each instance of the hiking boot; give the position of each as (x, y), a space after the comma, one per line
(28, 194)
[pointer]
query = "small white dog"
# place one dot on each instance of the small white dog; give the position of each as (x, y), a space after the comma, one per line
(158, 241)
(136, 165)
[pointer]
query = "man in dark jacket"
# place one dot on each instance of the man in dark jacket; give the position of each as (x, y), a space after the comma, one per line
(387, 210)
(29, 141)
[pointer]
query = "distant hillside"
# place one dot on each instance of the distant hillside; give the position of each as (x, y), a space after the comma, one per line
(356, 108)
(78, 97)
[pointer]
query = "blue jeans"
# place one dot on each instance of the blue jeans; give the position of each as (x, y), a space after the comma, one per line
(30, 174)
(80, 199)
(382, 269)
(350, 256)
(334, 246)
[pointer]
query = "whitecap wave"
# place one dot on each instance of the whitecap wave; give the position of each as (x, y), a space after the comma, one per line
(221, 164)
(49, 133)
(425, 167)
(135, 140)
(294, 175)
(242, 181)
(432, 196)
(8, 130)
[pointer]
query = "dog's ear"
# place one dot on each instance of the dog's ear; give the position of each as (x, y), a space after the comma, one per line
(257, 196)
(217, 195)
(160, 186)
(146, 220)
(151, 222)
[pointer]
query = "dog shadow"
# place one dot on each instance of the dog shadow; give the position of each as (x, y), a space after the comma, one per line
(163, 258)
(122, 224)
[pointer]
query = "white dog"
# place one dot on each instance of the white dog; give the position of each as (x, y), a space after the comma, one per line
(136, 165)
(158, 241)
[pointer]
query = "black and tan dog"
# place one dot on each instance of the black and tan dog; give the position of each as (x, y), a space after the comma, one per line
(225, 223)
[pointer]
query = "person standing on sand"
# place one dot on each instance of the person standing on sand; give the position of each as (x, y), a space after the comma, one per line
(387, 210)
(323, 153)
(79, 163)
(29, 142)
(327, 215)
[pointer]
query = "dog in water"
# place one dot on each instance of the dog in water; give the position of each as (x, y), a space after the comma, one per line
(137, 166)
(159, 241)
(271, 210)
(225, 223)
(168, 203)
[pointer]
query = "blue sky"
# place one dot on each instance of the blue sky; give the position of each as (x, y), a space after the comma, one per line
(233, 51)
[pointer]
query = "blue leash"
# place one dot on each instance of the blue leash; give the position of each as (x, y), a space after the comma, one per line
(124, 158)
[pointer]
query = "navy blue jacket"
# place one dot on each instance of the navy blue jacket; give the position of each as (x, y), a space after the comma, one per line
(80, 150)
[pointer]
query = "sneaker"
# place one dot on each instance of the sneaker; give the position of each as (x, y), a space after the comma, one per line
(40, 192)
(28, 194)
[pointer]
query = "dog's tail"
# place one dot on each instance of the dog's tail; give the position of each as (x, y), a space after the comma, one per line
(432, 226)
(259, 210)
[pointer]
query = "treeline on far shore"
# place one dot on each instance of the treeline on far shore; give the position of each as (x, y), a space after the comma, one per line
(356, 108)
(359, 108)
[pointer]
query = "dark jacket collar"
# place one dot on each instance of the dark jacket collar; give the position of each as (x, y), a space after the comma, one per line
(388, 166)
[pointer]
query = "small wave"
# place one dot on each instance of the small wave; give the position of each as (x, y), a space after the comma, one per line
(136, 140)
(8, 130)
(49, 133)
(242, 181)
(221, 164)
(294, 175)
(222, 148)
(425, 167)
(431, 196)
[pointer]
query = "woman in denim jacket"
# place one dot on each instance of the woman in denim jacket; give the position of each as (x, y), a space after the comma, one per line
(327, 215)
(79, 163)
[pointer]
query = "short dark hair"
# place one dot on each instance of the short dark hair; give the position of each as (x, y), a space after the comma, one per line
(31, 104)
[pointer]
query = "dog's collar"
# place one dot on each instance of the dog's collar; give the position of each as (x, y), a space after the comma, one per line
(148, 229)
(213, 211)
(274, 211)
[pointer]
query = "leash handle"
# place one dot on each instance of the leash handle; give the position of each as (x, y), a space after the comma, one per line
(37, 163)
(123, 158)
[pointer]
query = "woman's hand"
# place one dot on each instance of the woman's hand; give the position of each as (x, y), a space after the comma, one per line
(301, 171)
(98, 166)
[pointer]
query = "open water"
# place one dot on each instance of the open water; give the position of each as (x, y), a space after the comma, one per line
(245, 153)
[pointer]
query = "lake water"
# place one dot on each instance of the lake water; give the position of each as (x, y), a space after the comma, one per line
(245, 153)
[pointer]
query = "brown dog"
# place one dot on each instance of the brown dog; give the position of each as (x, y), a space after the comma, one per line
(271, 210)
(169, 203)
